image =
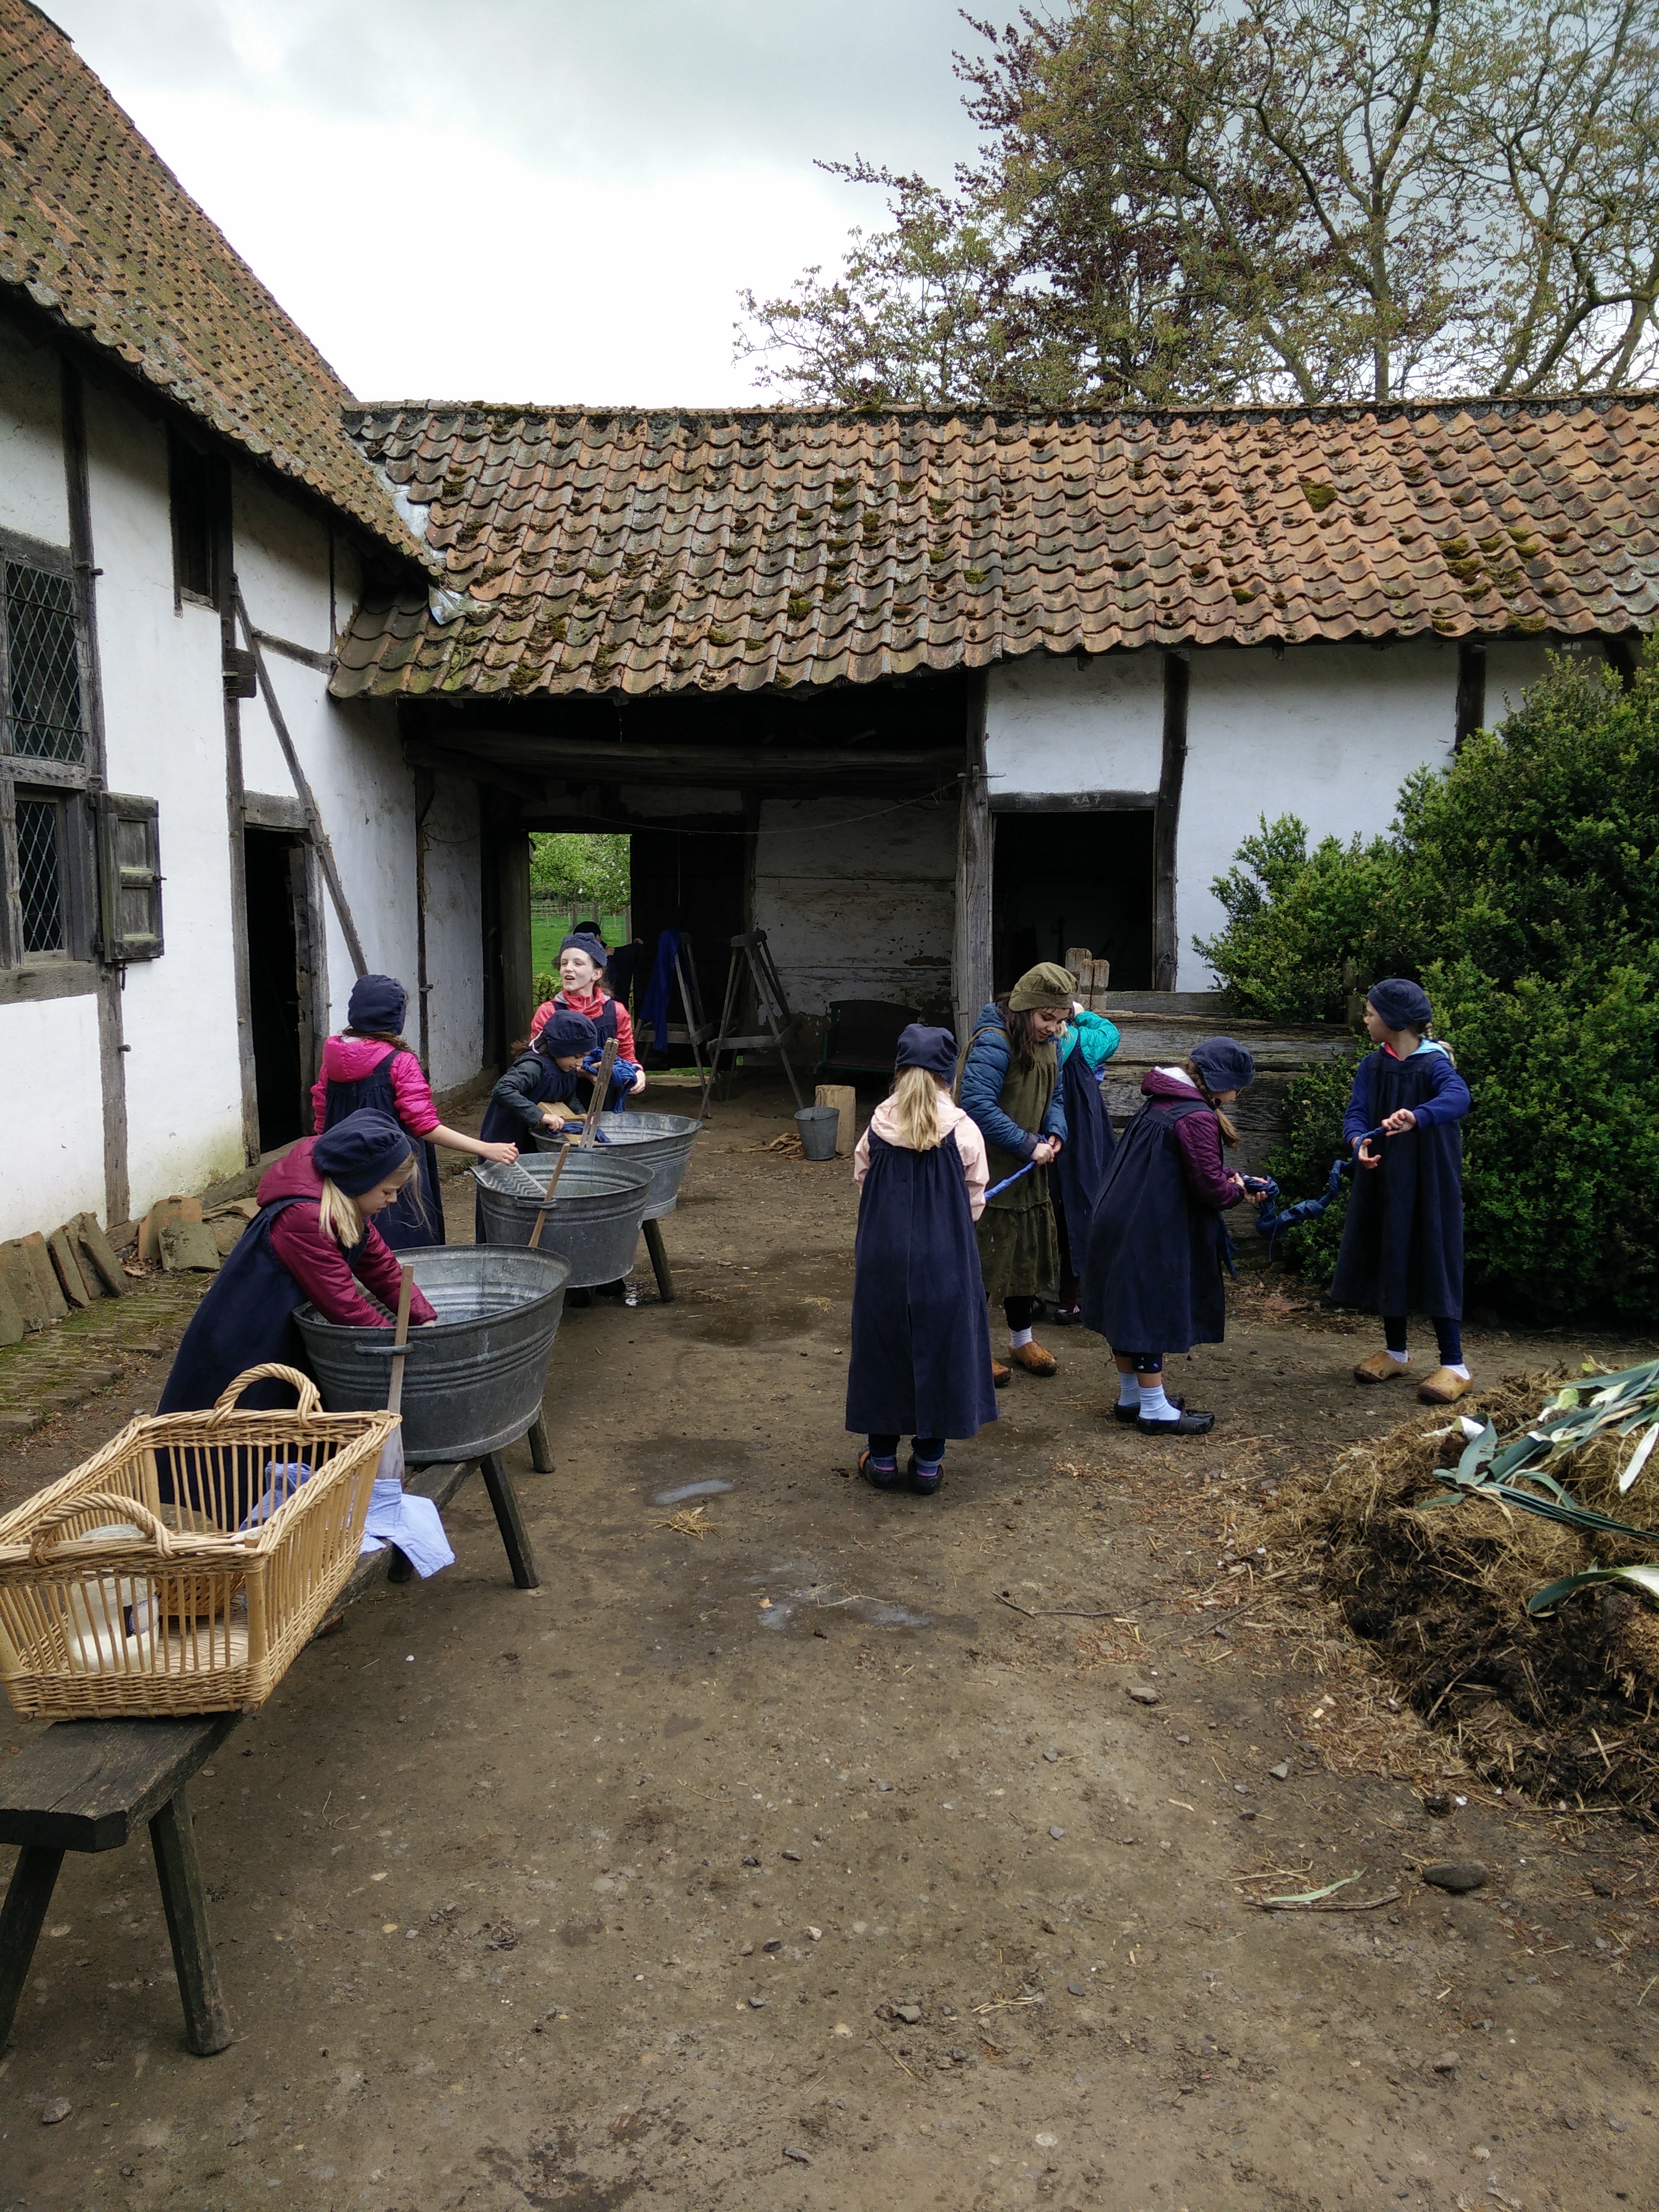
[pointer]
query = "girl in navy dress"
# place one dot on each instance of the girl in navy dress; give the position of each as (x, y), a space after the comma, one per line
(370, 1065)
(313, 1238)
(1153, 1282)
(920, 1362)
(1403, 1242)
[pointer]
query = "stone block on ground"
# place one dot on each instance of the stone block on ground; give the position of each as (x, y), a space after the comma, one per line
(46, 1275)
(99, 1254)
(186, 1245)
(163, 1210)
(12, 1329)
(18, 1276)
(67, 1268)
(226, 1230)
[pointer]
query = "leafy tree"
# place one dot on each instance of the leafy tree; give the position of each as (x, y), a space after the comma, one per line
(1210, 200)
(579, 865)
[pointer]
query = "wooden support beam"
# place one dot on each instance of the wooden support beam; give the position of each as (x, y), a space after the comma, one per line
(970, 948)
(1166, 823)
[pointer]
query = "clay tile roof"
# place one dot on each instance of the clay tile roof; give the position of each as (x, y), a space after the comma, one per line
(103, 237)
(650, 551)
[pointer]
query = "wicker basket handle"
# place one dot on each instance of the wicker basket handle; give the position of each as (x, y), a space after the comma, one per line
(309, 1399)
(124, 1508)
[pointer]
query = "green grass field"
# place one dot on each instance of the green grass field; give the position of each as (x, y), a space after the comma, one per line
(546, 937)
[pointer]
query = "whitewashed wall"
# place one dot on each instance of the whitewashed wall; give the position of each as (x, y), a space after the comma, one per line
(1053, 725)
(165, 739)
(51, 1100)
(857, 901)
(1328, 732)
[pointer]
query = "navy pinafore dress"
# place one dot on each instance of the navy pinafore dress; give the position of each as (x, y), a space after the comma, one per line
(1402, 1241)
(1151, 1280)
(416, 1216)
(920, 1362)
(1081, 1168)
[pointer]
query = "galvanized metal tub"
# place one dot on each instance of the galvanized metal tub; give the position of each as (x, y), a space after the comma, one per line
(593, 1221)
(661, 1142)
(473, 1379)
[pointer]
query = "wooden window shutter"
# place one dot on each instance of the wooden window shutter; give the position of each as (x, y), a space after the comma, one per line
(128, 876)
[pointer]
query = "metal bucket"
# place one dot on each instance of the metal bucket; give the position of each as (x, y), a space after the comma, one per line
(661, 1142)
(819, 1127)
(473, 1378)
(593, 1221)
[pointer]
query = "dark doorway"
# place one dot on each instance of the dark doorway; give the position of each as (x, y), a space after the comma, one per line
(1073, 878)
(276, 886)
(694, 881)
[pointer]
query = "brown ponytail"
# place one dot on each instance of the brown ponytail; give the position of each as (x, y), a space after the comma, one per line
(1229, 1131)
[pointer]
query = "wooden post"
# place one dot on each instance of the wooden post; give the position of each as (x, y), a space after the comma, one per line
(970, 950)
(207, 2020)
(1166, 822)
(21, 1918)
(845, 1100)
(510, 1521)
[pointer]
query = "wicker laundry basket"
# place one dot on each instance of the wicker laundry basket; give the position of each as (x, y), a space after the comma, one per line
(182, 1567)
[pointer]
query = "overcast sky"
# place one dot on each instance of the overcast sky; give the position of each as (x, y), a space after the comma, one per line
(531, 199)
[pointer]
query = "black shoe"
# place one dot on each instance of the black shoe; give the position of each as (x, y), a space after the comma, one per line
(925, 1486)
(1184, 1425)
(1130, 1414)
(612, 1293)
(877, 1478)
(1067, 1316)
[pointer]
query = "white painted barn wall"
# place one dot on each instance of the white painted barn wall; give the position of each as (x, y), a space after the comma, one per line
(50, 1095)
(1328, 732)
(858, 899)
(1513, 665)
(1052, 725)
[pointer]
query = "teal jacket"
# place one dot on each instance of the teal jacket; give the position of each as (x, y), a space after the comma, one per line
(1094, 1036)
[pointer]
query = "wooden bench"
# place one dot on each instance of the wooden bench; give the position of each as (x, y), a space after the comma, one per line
(92, 1786)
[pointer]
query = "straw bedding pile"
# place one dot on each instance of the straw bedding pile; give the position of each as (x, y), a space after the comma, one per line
(1564, 1707)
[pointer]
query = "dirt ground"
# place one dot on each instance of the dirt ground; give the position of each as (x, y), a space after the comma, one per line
(821, 1858)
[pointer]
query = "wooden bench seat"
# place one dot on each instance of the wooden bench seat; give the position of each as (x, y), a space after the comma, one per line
(92, 1786)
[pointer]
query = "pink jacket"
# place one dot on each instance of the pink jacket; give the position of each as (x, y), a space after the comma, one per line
(348, 1060)
(590, 1007)
(953, 1123)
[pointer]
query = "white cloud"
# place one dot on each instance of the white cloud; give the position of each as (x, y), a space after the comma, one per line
(531, 199)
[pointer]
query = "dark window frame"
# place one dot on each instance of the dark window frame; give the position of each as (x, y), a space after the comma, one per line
(199, 506)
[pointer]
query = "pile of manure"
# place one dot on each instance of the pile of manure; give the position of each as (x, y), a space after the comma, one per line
(1564, 1707)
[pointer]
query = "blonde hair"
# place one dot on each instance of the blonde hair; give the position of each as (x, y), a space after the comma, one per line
(339, 1215)
(915, 1101)
(1229, 1131)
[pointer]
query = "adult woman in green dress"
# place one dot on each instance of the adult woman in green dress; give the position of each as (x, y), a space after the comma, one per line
(1008, 1084)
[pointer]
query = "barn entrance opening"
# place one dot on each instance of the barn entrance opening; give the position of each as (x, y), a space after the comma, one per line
(1076, 878)
(278, 1004)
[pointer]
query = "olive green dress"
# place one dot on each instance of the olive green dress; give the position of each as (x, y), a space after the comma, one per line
(1018, 1255)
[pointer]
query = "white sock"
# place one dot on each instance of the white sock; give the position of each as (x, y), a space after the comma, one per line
(1154, 1406)
(1462, 1373)
(1017, 1338)
(1400, 1358)
(1128, 1390)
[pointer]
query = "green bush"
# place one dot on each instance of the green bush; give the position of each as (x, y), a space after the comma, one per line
(1522, 887)
(1302, 1161)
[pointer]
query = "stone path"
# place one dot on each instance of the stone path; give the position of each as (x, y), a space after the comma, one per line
(62, 1365)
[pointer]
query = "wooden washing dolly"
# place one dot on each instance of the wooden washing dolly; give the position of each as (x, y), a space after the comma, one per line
(91, 1785)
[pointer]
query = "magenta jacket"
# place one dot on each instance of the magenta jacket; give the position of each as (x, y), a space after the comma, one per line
(1208, 1178)
(317, 1263)
(348, 1060)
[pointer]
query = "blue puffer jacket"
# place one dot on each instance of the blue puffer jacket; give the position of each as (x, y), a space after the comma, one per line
(1091, 1034)
(983, 1079)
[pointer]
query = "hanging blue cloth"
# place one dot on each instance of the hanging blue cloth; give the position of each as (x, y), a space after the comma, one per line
(920, 1362)
(653, 1007)
(416, 1217)
(1402, 1241)
(1152, 1279)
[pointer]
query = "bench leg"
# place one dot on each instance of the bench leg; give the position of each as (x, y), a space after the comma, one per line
(654, 1246)
(541, 1452)
(173, 1837)
(509, 1519)
(21, 1918)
